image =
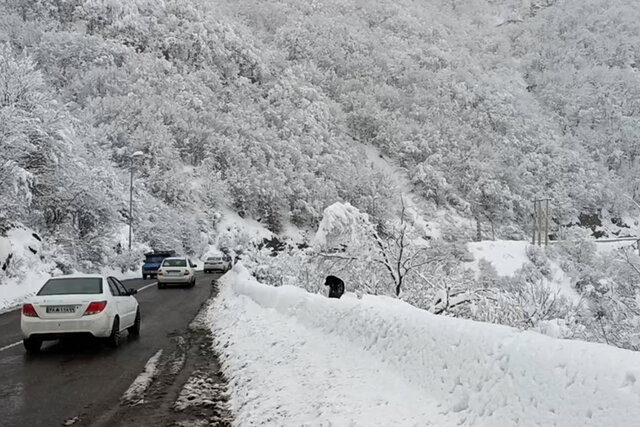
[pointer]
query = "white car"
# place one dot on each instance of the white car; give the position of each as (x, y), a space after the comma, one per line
(79, 304)
(217, 263)
(176, 271)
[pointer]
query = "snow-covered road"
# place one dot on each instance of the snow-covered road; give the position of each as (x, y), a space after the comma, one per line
(294, 358)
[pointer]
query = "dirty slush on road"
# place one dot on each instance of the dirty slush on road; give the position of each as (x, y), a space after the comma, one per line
(181, 386)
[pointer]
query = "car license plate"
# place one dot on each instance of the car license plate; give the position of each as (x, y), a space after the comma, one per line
(61, 309)
(174, 272)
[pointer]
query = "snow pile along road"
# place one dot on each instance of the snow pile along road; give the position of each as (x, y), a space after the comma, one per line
(295, 358)
(22, 271)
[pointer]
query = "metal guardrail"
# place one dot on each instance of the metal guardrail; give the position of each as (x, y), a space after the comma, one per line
(609, 240)
(618, 239)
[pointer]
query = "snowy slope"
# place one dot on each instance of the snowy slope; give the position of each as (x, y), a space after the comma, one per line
(25, 267)
(509, 256)
(413, 210)
(294, 358)
(23, 271)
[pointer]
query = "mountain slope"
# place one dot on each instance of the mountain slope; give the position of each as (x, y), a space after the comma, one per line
(263, 107)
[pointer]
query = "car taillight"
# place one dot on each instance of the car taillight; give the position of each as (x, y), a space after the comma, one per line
(186, 272)
(159, 272)
(95, 307)
(29, 311)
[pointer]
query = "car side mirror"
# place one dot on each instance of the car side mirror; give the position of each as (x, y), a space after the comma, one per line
(132, 291)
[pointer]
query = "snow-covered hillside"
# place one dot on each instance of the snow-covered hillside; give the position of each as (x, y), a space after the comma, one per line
(507, 257)
(23, 270)
(294, 358)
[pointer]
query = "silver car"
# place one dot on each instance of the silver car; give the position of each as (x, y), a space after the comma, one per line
(176, 271)
(220, 262)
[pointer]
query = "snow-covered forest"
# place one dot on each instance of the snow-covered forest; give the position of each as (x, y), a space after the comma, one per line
(385, 135)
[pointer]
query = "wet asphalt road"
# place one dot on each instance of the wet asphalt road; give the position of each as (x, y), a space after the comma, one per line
(85, 379)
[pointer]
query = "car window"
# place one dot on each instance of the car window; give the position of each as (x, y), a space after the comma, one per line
(174, 263)
(154, 259)
(112, 287)
(72, 286)
(121, 288)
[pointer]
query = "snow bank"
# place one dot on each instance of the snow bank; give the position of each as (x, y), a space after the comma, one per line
(135, 393)
(470, 373)
(22, 271)
(506, 256)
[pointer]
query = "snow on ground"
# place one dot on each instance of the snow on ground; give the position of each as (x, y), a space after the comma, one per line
(608, 246)
(232, 225)
(14, 290)
(201, 390)
(22, 271)
(292, 233)
(135, 393)
(294, 358)
(506, 256)
(509, 256)
(26, 270)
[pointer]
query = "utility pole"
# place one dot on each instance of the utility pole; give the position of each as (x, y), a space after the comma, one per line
(546, 223)
(541, 221)
(133, 156)
(535, 221)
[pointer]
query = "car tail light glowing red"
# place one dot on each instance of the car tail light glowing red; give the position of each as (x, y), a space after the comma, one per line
(95, 307)
(29, 311)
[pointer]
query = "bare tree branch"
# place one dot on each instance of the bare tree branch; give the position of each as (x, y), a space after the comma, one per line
(632, 201)
(631, 264)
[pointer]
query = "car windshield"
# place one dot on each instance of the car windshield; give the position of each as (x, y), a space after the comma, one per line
(72, 286)
(154, 259)
(174, 263)
(214, 258)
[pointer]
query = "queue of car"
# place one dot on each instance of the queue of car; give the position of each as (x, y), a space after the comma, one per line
(101, 306)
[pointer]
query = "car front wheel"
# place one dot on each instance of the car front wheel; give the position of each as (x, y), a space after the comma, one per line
(32, 345)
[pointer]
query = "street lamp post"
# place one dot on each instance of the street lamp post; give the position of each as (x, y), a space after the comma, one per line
(133, 156)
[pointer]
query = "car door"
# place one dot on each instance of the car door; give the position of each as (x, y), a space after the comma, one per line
(129, 303)
(117, 299)
(121, 303)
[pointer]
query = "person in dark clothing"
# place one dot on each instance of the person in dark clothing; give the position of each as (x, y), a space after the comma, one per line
(336, 286)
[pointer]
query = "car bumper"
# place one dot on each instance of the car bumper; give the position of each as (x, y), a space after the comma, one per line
(217, 267)
(175, 279)
(98, 325)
